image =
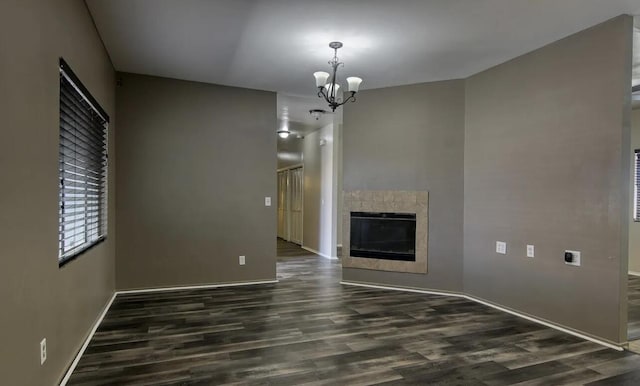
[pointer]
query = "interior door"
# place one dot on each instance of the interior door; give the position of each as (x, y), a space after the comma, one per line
(283, 231)
(296, 179)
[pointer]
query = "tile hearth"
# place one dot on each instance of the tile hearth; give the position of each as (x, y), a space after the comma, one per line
(387, 201)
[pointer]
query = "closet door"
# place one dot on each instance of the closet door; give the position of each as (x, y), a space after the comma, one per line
(283, 232)
(296, 179)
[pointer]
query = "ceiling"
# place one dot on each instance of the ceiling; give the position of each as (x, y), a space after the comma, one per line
(293, 113)
(276, 45)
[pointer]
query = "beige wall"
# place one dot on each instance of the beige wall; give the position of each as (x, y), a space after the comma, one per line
(40, 300)
(198, 161)
(412, 138)
(544, 154)
(318, 161)
(634, 227)
(546, 163)
(289, 151)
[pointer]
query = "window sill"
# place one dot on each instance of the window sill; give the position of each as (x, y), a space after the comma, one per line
(70, 258)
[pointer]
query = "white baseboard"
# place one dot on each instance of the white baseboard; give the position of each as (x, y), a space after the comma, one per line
(404, 289)
(96, 324)
(547, 324)
(634, 273)
(98, 321)
(199, 286)
(497, 307)
(319, 253)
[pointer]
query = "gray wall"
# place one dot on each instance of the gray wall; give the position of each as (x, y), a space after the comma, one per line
(289, 151)
(634, 227)
(318, 187)
(546, 163)
(198, 161)
(415, 142)
(40, 300)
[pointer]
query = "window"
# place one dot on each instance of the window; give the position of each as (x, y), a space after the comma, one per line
(636, 194)
(82, 168)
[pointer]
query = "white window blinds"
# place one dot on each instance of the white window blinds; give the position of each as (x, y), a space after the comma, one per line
(82, 168)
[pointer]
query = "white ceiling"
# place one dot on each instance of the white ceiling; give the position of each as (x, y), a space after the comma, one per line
(277, 44)
(293, 111)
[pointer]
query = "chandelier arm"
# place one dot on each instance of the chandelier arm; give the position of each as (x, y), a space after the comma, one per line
(351, 98)
(323, 94)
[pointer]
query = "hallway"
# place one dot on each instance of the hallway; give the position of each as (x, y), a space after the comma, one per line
(309, 329)
(288, 250)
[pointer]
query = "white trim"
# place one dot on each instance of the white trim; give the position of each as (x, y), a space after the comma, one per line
(98, 321)
(503, 309)
(188, 287)
(319, 253)
(634, 273)
(296, 166)
(548, 324)
(404, 289)
(96, 324)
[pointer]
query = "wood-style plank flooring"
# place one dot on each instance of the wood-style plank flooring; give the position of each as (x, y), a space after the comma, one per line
(287, 250)
(310, 330)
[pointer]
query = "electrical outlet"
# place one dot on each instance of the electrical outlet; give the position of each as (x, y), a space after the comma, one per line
(241, 260)
(501, 247)
(267, 201)
(572, 258)
(531, 252)
(43, 350)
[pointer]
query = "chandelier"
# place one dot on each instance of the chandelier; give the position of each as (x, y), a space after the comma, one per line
(329, 91)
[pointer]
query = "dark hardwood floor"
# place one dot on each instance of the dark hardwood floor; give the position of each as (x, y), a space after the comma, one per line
(288, 250)
(308, 329)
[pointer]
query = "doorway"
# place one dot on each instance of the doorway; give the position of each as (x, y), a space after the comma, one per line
(290, 204)
(633, 289)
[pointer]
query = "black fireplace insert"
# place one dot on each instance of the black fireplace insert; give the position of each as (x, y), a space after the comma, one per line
(390, 236)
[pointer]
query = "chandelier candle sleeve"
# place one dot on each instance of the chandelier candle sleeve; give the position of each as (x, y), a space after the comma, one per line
(321, 78)
(332, 89)
(354, 83)
(329, 91)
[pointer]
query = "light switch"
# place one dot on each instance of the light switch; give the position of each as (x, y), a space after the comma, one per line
(501, 247)
(267, 201)
(531, 252)
(241, 260)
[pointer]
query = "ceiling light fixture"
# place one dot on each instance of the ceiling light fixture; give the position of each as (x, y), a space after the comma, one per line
(316, 113)
(284, 133)
(329, 91)
(284, 124)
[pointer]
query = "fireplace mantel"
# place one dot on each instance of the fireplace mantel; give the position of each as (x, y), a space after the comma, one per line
(387, 201)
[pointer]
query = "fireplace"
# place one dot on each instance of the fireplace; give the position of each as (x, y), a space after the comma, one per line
(379, 235)
(385, 230)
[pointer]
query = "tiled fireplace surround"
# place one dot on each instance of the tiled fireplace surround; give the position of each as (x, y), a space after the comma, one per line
(387, 201)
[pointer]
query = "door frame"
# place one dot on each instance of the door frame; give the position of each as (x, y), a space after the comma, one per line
(288, 211)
